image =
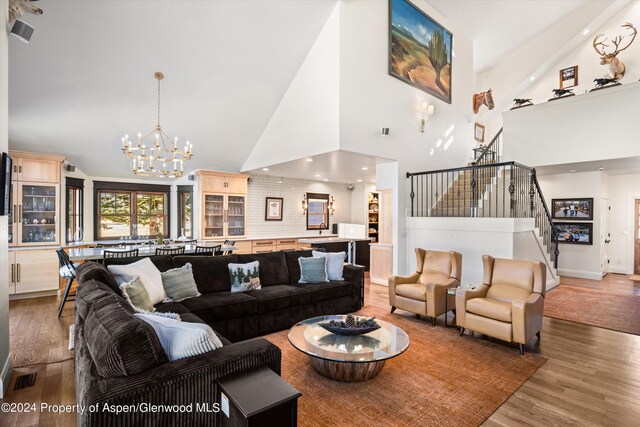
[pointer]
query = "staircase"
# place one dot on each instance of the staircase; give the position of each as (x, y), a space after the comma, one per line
(487, 188)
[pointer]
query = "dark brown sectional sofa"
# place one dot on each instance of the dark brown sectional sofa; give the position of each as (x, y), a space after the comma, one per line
(119, 359)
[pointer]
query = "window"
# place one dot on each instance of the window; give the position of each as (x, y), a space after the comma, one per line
(74, 208)
(185, 210)
(317, 211)
(129, 210)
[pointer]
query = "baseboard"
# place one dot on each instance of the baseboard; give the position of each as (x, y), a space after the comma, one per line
(619, 269)
(5, 376)
(551, 284)
(593, 275)
(32, 295)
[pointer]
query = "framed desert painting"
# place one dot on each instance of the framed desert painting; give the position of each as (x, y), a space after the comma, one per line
(573, 209)
(419, 49)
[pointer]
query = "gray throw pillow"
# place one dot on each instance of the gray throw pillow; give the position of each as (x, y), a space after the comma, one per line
(179, 284)
(136, 294)
(313, 270)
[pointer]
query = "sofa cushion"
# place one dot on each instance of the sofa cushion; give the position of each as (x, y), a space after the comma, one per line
(292, 263)
(426, 278)
(171, 307)
(273, 267)
(221, 306)
(94, 271)
(313, 270)
(210, 272)
(490, 308)
(506, 293)
(327, 290)
(119, 343)
(90, 292)
(277, 297)
(415, 291)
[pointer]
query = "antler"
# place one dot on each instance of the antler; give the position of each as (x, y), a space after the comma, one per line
(619, 39)
(597, 43)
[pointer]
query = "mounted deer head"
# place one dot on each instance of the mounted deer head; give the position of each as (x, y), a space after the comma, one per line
(18, 7)
(615, 66)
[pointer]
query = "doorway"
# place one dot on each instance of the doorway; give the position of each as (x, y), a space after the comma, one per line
(636, 238)
(605, 236)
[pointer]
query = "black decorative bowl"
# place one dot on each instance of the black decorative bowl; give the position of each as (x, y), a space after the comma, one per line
(348, 331)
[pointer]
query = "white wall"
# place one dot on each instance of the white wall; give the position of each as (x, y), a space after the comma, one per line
(306, 122)
(578, 260)
(587, 127)
(473, 238)
(5, 360)
(292, 191)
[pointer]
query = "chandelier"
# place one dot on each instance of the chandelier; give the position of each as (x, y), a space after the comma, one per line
(160, 157)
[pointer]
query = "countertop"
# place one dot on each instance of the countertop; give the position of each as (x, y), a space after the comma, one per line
(313, 240)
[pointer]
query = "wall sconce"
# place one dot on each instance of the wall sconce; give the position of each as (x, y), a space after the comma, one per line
(427, 111)
(22, 31)
(332, 205)
(304, 204)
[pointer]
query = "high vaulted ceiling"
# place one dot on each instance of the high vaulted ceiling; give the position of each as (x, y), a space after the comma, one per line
(86, 78)
(498, 26)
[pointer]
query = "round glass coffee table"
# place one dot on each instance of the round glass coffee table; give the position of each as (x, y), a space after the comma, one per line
(347, 357)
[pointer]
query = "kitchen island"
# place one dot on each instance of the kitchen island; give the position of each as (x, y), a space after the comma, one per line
(339, 244)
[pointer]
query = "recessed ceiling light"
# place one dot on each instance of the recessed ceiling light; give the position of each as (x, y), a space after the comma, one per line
(309, 159)
(325, 180)
(532, 78)
(317, 175)
(265, 169)
(572, 171)
(585, 32)
(279, 182)
(365, 168)
(601, 169)
(359, 180)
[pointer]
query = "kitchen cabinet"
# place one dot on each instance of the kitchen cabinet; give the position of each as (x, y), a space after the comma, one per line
(32, 270)
(224, 205)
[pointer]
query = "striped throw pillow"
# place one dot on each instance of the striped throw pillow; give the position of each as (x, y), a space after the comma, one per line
(313, 270)
(182, 339)
(179, 284)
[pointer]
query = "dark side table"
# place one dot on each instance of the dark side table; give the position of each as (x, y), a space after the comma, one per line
(257, 398)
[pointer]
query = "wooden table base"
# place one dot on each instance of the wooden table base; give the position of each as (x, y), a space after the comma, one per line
(344, 371)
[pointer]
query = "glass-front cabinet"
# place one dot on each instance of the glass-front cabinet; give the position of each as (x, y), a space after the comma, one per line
(37, 214)
(224, 216)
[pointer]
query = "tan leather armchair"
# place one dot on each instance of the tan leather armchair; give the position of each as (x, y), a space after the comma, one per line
(424, 291)
(509, 304)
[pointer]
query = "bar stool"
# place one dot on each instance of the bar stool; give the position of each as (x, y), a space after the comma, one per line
(68, 272)
(207, 250)
(228, 243)
(119, 254)
(170, 251)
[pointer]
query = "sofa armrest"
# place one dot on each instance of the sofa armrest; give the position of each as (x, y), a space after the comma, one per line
(190, 380)
(462, 296)
(399, 280)
(354, 274)
(436, 295)
(526, 317)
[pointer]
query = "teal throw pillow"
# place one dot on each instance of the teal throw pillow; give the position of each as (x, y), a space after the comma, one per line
(313, 270)
(245, 277)
(179, 284)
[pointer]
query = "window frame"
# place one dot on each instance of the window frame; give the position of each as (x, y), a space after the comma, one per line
(184, 190)
(75, 184)
(132, 190)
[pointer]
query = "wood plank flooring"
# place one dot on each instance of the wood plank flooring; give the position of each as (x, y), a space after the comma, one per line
(592, 377)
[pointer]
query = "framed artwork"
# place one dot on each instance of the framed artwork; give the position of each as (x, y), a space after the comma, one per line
(573, 209)
(576, 233)
(273, 209)
(569, 77)
(419, 49)
(478, 132)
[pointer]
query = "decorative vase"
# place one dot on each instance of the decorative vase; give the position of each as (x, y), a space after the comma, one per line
(160, 239)
(78, 236)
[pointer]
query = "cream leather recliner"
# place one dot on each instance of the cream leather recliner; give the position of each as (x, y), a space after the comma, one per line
(508, 305)
(424, 292)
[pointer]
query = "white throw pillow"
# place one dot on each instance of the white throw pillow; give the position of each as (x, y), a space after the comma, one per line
(335, 263)
(182, 339)
(149, 275)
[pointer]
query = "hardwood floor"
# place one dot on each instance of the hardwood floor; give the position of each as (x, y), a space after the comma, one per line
(592, 376)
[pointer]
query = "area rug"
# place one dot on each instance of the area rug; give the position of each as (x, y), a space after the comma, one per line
(594, 307)
(441, 380)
